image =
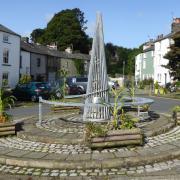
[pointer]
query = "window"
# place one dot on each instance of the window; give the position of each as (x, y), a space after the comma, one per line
(5, 79)
(20, 63)
(5, 38)
(6, 56)
(38, 62)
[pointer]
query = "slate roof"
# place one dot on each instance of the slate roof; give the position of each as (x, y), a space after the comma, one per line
(7, 30)
(39, 49)
(164, 37)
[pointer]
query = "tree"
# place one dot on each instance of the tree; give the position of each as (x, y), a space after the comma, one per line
(116, 55)
(66, 28)
(36, 35)
(174, 57)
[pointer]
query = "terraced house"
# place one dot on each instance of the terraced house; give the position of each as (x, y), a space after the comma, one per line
(19, 56)
(43, 63)
(150, 63)
(9, 57)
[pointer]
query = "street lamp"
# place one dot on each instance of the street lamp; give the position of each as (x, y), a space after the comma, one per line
(123, 71)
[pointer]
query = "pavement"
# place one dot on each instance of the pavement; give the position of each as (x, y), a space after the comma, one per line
(55, 149)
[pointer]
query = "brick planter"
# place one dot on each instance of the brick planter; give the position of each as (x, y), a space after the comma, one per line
(7, 129)
(116, 138)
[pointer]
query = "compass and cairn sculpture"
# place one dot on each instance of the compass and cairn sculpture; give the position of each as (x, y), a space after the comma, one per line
(97, 97)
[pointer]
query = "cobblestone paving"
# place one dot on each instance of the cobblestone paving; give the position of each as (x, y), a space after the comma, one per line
(17, 143)
(90, 172)
(60, 126)
(168, 137)
(70, 123)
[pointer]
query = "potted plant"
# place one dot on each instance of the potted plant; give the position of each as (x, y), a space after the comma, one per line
(176, 114)
(120, 131)
(6, 128)
(162, 90)
(156, 88)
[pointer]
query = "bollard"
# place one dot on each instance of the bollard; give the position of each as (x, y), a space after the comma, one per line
(40, 110)
(138, 110)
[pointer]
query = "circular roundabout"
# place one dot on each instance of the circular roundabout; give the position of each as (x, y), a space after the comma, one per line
(36, 152)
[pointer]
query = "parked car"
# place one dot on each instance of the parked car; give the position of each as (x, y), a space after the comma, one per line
(113, 84)
(173, 87)
(32, 91)
(71, 89)
(80, 82)
(56, 88)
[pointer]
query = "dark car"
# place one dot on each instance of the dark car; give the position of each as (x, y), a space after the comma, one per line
(71, 89)
(80, 82)
(32, 91)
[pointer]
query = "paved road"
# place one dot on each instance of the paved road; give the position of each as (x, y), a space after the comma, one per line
(160, 105)
(163, 105)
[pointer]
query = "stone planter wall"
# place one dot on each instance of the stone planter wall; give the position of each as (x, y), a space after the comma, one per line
(7, 129)
(64, 108)
(116, 138)
(177, 117)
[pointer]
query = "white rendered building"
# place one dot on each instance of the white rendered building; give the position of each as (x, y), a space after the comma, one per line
(9, 57)
(161, 48)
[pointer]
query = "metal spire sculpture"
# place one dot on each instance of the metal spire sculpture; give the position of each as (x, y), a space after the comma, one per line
(97, 88)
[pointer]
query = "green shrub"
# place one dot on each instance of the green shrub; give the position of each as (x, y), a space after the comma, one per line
(25, 79)
(156, 85)
(176, 109)
(141, 85)
(127, 121)
(95, 130)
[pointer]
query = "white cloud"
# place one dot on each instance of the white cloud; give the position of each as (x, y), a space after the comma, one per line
(48, 17)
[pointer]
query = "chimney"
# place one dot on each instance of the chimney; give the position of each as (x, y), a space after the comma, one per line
(175, 26)
(160, 36)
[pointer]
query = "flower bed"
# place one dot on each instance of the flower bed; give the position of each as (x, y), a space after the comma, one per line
(116, 138)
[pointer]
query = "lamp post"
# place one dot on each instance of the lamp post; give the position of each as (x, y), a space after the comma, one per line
(123, 71)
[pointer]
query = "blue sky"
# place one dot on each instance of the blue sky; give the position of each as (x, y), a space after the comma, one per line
(127, 23)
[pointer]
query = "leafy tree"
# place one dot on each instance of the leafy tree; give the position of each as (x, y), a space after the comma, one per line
(36, 35)
(66, 28)
(174, 57)
(115, 56)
